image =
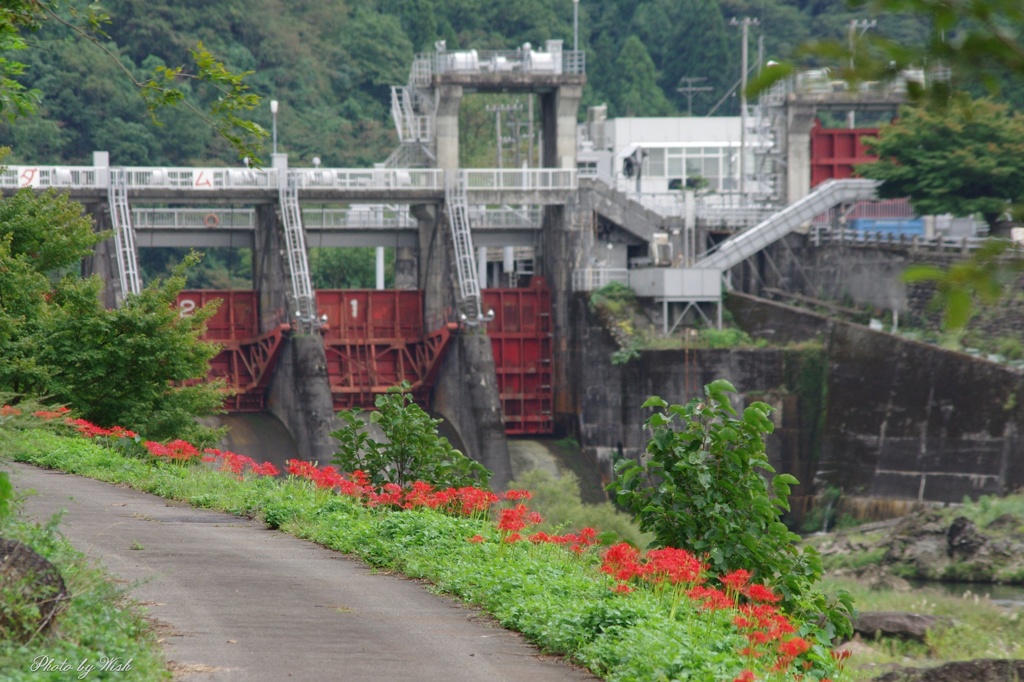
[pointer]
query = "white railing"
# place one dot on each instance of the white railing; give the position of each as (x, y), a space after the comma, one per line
(589, 279)
(669, 204)
(200, 178)
(735, 217)
(820, 235)
(492, 179)
(193, 218)
(356, 218)
(371, 178)
(78, 177)
(425, 65)
(347, 179)
(483, 217)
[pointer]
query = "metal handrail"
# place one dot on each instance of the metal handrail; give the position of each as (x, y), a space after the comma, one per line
(193, 218)
(589, 279)
(490, 179)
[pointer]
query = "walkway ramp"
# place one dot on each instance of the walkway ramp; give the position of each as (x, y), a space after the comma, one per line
(738, 248)
(627, 213)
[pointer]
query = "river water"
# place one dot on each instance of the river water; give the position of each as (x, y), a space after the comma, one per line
(1011, 596)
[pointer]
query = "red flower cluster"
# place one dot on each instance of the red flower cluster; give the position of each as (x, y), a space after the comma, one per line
(89, 430)
(9, 411)
(465, 501)
(177, 450)
(47, 415)
(675, 566)
(576, 542)
(237, 464)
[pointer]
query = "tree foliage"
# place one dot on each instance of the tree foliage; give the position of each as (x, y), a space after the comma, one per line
(328, 64)
(136, 366)
(965, 158)
(413, 450)
(223, 109)
(702, 487)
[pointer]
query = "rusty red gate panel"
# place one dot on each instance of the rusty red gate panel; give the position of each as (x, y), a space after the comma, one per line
(835, 152)
(375, 339)
(522, 345)
(247, 358)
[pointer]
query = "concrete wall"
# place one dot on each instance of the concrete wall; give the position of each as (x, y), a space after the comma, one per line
(610, 397)
(905, 419)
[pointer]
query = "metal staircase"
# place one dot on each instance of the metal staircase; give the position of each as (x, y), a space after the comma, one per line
(413, 113)
(738, 248)
(124, 235)
(462, 241)
(298, 263)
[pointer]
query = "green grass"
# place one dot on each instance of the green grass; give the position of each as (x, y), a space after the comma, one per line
(973, 628)
(98, 623)
(558, 599)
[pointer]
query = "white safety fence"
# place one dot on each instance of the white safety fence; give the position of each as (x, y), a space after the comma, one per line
(491, 179)
(589, 279)
(193, 218)
(370, 178)
(324, 179)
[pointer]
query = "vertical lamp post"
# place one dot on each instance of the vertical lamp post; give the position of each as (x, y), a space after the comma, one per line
(273, 127)
(745, 24)
(575, 25)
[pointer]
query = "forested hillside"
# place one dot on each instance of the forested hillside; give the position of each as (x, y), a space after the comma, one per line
(329, 63)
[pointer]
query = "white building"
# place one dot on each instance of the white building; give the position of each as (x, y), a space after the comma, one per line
(675, 153)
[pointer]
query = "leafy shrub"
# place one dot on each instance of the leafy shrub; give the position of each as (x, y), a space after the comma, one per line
(612, 296)
(413, 451)
(558, 500)
(701, 489)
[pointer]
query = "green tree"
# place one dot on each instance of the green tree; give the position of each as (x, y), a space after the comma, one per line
(227, 97)
(412, 450)
(690, 38)
(963, 159)
(702, 487)
(635, 88)
(136, 366)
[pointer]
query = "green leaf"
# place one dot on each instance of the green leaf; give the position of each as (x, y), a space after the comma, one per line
(655, 401)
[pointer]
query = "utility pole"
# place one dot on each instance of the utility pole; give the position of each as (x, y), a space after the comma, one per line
(575, 25)
(745, 23)
(689, 89)
(496, 109)
(863, 25)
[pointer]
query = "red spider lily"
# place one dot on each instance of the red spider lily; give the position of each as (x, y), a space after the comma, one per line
(512, 538)
(266, 469)
(47, 415)
(745, 676)
(9, 411)
(421, 495)
(840, 657)
(678, 566)
(512, 520)
(472, 500)
(622, 562)
(176, 450)
(736, 580)
(516, 495)
(476, 538)
(87, 429)
(539, 537)
(392, 495)
(623, 588)
(792, 648)
(237, 464)
(743, 623)
(710, 598)
(762, 593)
